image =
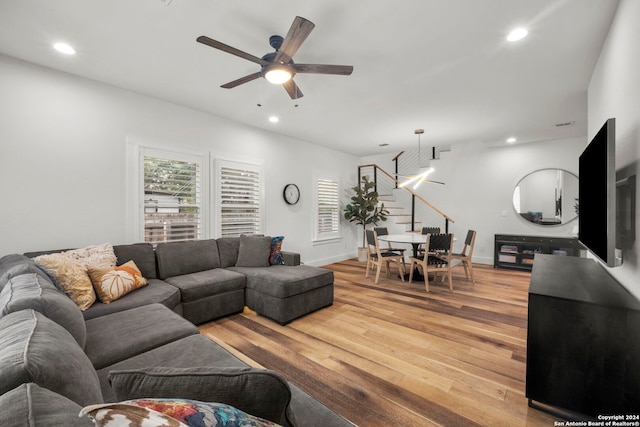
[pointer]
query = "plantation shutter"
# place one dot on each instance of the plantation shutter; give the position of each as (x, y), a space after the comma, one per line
(240, 199)
(328, 216)
(172, 199)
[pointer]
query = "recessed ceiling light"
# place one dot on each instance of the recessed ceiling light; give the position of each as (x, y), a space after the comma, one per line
(64, 48)
(511, 140)
(274, 119)
(517, 34)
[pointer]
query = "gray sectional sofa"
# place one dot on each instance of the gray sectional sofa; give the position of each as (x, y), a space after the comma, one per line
(55, 359)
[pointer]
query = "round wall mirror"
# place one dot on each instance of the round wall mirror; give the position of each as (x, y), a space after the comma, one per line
(547, 197)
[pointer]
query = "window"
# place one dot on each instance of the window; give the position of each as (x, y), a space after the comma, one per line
(172, 196)
(327, 218)
(239, 198)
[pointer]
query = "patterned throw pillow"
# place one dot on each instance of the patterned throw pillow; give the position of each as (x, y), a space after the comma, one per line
(171, 412)
(70, 276)
(275, 257)
(113, 283)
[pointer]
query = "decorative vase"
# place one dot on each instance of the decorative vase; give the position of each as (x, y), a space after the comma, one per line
(363, 254)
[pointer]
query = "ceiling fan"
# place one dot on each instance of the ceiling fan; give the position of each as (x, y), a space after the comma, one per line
(278, 67)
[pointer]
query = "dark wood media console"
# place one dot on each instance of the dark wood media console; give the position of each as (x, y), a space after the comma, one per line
(583, 339)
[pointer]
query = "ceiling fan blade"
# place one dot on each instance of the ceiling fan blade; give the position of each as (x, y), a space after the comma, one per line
(232, 50)
(343, 70)
(242, 80)
(298, 33)
(292, 89)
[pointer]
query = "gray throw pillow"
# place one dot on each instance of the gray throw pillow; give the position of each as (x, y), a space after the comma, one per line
(259, 392)
(254, 251)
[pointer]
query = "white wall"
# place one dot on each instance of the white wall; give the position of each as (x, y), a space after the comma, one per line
(614, 91)
(479, 188)
(63, 144)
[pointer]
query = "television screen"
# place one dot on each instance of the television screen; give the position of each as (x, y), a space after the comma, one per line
(596, 195)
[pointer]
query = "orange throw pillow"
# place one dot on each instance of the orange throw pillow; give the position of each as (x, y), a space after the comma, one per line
(113, 283)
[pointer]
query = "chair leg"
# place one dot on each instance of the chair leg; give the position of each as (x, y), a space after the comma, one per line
(387, 265)
(366, 275)
(411, 272)
(450, 281)
(473, 280)
(378, 272)
(426, 279)
(401, 270)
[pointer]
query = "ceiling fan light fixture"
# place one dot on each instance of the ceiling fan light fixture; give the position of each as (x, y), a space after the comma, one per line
(278, 75)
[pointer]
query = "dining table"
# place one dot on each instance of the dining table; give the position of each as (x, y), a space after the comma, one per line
(413, 239)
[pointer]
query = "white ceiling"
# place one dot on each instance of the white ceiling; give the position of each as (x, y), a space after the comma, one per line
(441, 65)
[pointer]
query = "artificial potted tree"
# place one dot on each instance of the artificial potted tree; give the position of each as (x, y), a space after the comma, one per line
(364, 210)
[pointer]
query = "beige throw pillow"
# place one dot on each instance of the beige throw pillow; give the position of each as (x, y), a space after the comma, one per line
(113, 283)
(70, 276)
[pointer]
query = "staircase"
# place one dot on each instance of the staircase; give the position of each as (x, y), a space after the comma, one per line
(401, 202)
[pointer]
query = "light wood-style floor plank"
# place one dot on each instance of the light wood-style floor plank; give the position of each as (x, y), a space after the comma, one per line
(393, 354)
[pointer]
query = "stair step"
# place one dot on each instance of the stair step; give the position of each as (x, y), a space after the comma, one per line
(405, 214)
(408, 222)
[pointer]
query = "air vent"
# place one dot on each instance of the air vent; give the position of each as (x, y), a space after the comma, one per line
(565, 124)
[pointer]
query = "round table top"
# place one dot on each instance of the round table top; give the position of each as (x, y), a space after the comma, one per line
(412, 238)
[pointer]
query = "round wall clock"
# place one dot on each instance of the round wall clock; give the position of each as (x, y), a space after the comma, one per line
(291, 194)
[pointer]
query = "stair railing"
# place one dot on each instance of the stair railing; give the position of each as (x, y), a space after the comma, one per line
(414, 195)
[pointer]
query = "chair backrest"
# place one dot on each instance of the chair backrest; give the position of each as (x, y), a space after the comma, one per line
(469, 242)
(441, 243)
(381, 231)
(430, 230)
(371, 237)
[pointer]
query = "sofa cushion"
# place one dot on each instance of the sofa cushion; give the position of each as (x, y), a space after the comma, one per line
(283, 281)
(36, 349)
(172, 413)
(140, 253)
(31, 405)
(202, 284)
(254, 251)
(112, 283)
(178, 258)
(259, 392)
(119, 336)
(228, 250)
(70, 276)
(35, 292)
(15, 265)
(194, 350)
(157, 291)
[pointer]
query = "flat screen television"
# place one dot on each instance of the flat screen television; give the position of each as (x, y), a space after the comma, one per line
(597, 195)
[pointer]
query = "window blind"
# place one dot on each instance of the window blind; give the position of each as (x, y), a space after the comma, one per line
(240, 200)
(172, 200)
(328, 215)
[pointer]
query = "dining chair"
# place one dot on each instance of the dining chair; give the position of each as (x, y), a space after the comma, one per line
(383, 231)
(466, 254)
(378, 257)
(427, 230)
(437, 260)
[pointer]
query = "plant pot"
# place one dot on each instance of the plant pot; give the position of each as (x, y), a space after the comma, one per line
(363, 254)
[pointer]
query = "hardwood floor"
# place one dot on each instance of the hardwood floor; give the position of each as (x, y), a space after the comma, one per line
(392, 354)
